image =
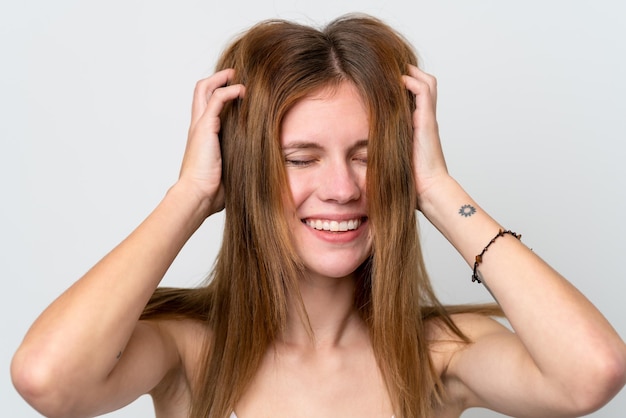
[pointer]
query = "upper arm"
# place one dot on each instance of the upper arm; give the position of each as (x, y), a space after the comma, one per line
(149, 356)
(496, 371)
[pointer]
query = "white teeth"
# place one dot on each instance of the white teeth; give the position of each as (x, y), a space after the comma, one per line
(334, 226)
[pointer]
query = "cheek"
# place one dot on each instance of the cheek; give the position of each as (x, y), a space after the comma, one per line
(362, 177)
(362, 181)
(300, 188)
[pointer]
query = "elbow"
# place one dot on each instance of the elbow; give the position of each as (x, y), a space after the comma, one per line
(35, 381)
(604, 377)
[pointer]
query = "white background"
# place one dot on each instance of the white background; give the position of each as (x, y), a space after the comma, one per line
(94, 106)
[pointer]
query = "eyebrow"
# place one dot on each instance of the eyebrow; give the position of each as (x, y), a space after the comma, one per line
(295, 145)
(302, 145)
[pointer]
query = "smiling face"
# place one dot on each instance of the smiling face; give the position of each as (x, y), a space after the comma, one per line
(324, 143)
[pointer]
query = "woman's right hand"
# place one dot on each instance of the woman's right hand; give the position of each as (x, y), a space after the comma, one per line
(201, 171)
(87, 353)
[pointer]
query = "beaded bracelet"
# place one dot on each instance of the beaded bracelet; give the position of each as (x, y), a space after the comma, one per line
(479, 257)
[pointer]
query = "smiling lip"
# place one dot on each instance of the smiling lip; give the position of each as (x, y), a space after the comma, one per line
(334, 225)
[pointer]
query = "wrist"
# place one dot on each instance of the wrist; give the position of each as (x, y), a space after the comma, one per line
(435, 198)
(458, 217)
(190, 201)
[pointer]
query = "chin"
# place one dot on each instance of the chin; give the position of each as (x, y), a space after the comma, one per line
(335, 267)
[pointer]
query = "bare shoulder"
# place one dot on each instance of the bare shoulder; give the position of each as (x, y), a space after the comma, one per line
(186, 338)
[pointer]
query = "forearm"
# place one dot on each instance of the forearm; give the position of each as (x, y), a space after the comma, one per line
(562, 331)
(85, 330)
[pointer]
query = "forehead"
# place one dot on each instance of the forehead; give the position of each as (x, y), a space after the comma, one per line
(328, 109)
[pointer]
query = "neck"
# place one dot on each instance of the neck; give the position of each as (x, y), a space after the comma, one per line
(329, 304)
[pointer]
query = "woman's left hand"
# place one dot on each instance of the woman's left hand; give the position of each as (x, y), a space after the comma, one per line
(429, 165)
(534, 371)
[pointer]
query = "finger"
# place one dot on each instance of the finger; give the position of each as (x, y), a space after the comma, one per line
(424, 100)
(205, 88)
(424, 77)
(209, 119)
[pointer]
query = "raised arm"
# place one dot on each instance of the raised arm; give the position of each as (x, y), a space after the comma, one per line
(87, 353)
(564, 358)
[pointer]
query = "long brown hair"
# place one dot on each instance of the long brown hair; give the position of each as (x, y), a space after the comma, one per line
(245, 301)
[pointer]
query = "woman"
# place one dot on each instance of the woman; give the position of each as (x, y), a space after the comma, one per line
(320, 145)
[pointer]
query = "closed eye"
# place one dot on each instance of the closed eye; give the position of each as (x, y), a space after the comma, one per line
(298, 162)
(362, 159)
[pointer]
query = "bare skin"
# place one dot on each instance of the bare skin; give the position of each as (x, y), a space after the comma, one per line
(69, 363)
(338, 379)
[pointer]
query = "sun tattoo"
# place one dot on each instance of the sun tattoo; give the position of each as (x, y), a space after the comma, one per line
(467, 210)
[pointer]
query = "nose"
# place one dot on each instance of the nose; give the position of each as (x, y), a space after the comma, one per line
(341, 182)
